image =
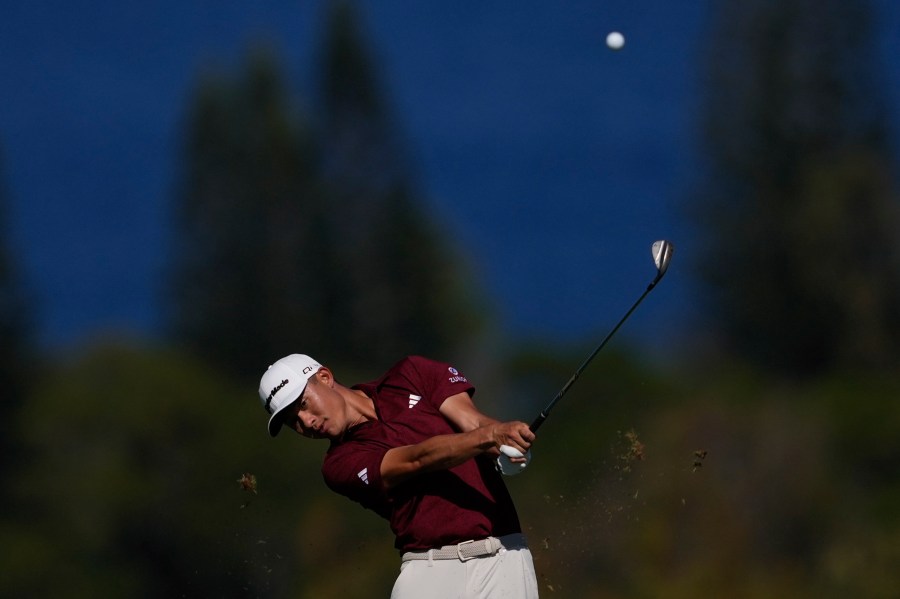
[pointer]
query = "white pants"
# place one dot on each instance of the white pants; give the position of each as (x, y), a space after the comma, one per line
(508, 575)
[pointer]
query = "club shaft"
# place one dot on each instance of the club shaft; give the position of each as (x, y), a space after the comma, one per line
(546, 411)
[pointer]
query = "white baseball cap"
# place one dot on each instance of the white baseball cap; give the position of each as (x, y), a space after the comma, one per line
(282, 383)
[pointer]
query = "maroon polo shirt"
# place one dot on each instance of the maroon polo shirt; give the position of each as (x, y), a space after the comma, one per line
(469, 501)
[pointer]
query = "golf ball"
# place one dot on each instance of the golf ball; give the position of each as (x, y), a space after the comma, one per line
(615, 40)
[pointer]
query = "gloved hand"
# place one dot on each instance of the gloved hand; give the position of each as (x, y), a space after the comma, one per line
(505, 466)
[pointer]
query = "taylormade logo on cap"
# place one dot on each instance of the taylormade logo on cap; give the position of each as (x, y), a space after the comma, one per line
(272, 394)
(282, 383)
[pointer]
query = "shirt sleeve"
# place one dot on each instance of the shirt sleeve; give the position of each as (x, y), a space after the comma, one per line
(439, 380)
(353, 469)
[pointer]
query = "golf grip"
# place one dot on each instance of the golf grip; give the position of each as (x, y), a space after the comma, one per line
(546, 411)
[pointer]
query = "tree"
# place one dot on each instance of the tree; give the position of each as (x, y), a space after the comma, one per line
(16, 352)
(404, 289)
(798, 209)
(138, 494)
(300, 239)
(250, 241)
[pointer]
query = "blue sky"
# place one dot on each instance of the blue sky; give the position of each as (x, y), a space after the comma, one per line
(552, 161)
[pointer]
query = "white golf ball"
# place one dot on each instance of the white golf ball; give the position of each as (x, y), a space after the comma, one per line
(615, 40)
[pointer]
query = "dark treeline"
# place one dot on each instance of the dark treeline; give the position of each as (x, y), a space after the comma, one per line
(764, 468)
(799, 206)
(16, 351)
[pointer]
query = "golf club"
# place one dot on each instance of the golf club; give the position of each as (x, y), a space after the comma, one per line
(662, 251)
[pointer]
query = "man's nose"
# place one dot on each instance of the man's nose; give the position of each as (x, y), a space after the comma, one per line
(306, 420)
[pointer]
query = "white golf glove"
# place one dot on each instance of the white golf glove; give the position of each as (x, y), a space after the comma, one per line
(506, 467)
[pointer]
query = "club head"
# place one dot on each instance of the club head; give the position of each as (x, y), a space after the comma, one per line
(662, 251)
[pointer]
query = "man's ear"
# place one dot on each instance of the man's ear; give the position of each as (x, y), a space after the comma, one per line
(325, 376)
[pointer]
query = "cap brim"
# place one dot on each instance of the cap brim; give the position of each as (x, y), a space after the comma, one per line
(277, 418)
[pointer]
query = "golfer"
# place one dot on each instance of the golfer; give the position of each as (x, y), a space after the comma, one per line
(412, 447)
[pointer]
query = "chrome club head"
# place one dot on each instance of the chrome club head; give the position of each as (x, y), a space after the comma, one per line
(662, 251)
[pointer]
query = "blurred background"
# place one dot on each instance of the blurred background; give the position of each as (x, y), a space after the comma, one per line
(189, 191)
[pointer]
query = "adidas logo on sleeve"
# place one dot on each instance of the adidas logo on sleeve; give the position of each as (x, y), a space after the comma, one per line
(413, 400)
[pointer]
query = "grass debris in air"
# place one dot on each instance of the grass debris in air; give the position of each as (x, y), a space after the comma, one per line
(248, 482)
(699, 456)
(633, 451)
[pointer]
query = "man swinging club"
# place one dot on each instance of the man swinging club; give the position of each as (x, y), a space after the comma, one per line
(412, 447)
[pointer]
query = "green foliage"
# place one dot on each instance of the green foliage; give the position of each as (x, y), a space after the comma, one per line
(798, 212)
(131, 484)
(643, 484)
(699, 493)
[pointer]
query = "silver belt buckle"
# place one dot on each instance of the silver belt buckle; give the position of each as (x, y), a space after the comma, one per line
(459, 551)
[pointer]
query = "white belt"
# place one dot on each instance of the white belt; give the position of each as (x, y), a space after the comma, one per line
(470, 549)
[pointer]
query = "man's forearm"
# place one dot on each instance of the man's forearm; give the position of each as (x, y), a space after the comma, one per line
(437, 453)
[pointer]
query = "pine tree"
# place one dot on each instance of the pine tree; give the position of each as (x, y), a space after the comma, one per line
(312, 240)
(403, 289)
(16, 349)
(250, 244)
(798, 212)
